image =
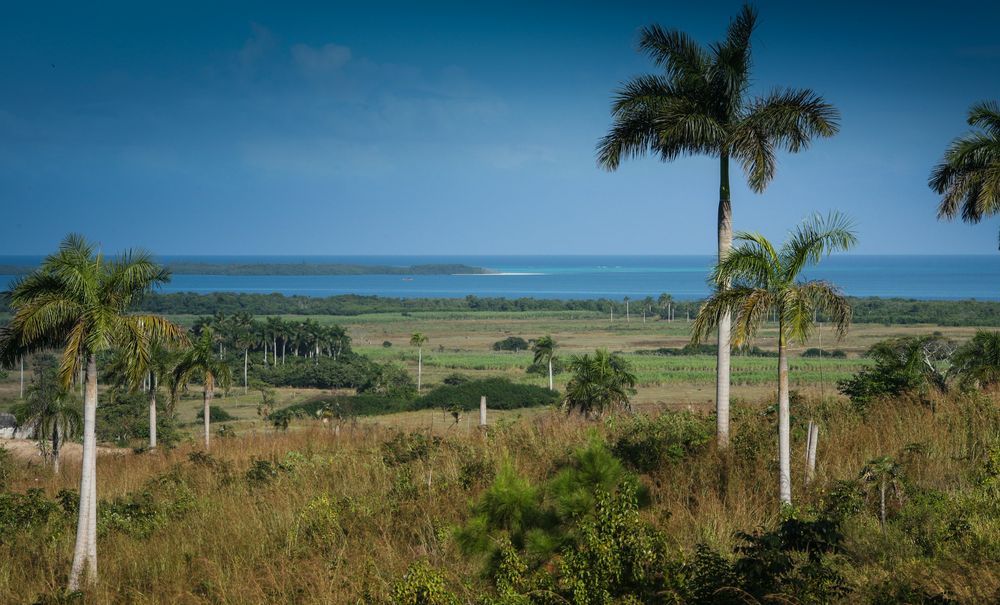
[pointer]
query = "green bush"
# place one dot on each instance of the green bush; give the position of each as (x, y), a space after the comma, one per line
(816, 352)
(215, 414)
(645, 444)
(422, 585)
(501, 394)
(511, 343)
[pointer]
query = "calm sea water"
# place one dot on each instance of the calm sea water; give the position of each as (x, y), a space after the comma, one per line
(574, 277)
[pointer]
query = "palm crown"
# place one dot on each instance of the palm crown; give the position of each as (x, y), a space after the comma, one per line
(765, 278)
(700, 106)
(968, 179)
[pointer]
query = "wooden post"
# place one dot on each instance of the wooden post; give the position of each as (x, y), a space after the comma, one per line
(813, 442)
(482, 411)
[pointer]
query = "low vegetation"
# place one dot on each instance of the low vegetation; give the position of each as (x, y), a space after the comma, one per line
(524, 513)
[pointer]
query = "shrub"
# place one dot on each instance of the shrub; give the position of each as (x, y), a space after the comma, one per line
(646, 444)
(406, 447)
(816, 352)
(501, 394)
(455, 379)
(386, 344)
(511, 343)
(216, 414)
(422, 585)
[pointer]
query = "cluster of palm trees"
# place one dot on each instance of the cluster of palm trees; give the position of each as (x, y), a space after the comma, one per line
(274, 337)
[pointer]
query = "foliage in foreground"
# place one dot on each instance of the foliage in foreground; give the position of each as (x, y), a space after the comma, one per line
(548, 511)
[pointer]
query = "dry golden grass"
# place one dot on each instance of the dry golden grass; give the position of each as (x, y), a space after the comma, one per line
(239, 543)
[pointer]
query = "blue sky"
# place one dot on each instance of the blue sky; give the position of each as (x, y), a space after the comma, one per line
(454, 128)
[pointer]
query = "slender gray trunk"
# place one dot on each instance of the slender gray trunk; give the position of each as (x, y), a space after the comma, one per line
(209, 393)
(420, 366)
(55, 448)
(881, 507)
(85, 550)
(265, 354)
(482, 410)
(246, 360)
(22, 378)
(784, 429)
(551, 386)
(813, 443)
(725, 226)
(152, 411)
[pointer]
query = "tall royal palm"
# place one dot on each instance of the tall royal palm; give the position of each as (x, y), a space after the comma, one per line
(200, 360)
(545, 352)
(763, 279)
(701, 105)
(968, 180)
(418, 340)
(79, 301)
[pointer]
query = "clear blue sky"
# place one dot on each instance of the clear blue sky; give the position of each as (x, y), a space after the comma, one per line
(453, 128)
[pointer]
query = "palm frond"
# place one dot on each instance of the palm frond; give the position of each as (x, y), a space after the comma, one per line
(730, 70)
(829, 300)
(785, 119)
(753, 262)
(986, 115)
(814, 238)
(722, 302)
(681, 57)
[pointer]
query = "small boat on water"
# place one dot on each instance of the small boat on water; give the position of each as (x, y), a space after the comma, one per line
(407, 279)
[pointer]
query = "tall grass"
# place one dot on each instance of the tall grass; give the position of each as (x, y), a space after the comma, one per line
(306, 516)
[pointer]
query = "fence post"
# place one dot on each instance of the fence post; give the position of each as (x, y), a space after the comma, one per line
(811, 453)
(482, 411)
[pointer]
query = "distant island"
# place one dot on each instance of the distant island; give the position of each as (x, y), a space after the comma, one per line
(193, 268)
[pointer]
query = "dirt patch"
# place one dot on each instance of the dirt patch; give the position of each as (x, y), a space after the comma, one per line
(27, 449)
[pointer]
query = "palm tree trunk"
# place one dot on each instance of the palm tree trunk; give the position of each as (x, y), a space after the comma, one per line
(784, 432)
(152, 411)
(209, 393)
(881, 507)
(55, 448)
(22, 378)
(246, 360)
(283, 351)
(551, 387)
(274, 351)
(85, 550)
(420, 366)
(725, 227)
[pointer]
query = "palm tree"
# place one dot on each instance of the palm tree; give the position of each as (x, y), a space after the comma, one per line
(665, 301)
(647, 307)
(762, 278)
(968, 179)
(885, 473)
(419, 340)
(977, 362)
(200, 360)
(79, 301)
(600, 384)
(50, 409)
(701, 106)
(545, 352)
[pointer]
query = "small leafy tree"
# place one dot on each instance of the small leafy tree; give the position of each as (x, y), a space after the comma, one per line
(884, 474)
(49, 408)
(600, 384)
(977, 362)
